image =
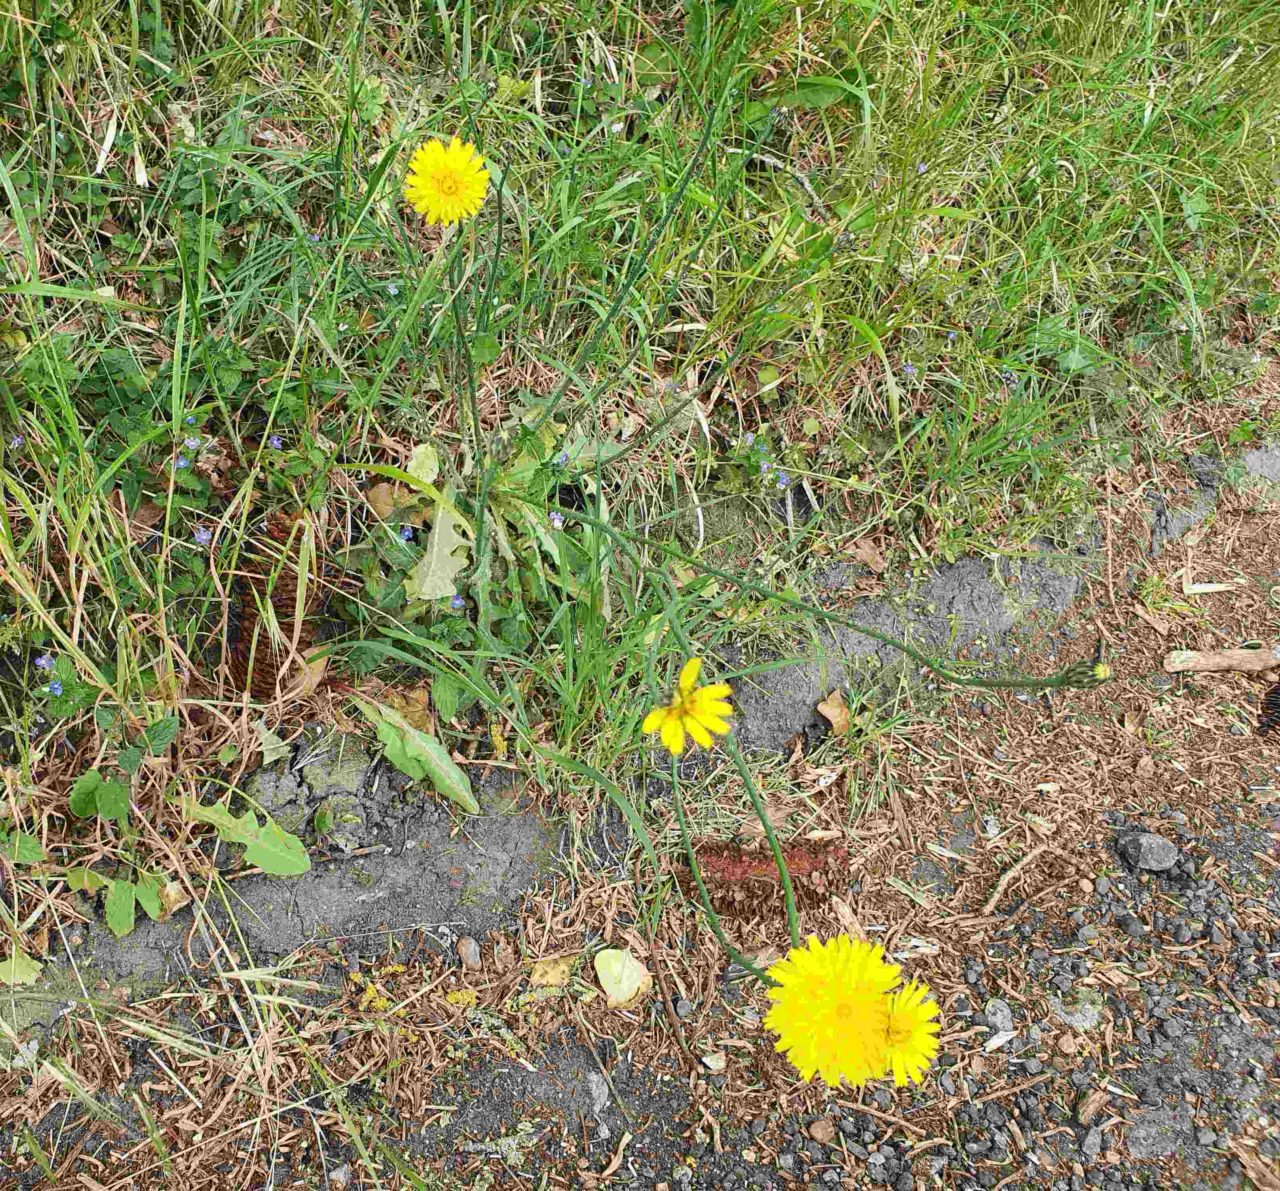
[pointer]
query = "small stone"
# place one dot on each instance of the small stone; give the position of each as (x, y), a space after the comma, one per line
(786, 1162)
(1131, 925)
(1032, 1066)
(1206, 1137)
(1102, 886)
(823, 1131)
(1173, 1030)
(1183, 933)
(469, 953)
(715, 1061)
(1146, 850)
(999, 1015)
(1068, 1044)
(684, 1009)
(758, 1126)
(340, 1178)
(1217, 934)
(1091, 1147)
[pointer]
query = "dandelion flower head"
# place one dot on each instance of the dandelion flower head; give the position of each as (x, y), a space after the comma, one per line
(831, 1009)
(913, 1033)
(446, 183)
(694, 711)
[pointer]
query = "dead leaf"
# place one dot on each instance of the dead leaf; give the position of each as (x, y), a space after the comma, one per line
(1091, 1105)
(415, 706)
(624, 978)
(834, 710)
(504, 953)
(1161, 626)
(387, 500)
(172, 897)
(553, 972)
(865, 551)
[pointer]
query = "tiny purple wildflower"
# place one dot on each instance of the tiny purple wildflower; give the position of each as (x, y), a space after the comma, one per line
(750, 438)
(275, 442)
(406, 533)
(921, 167)
(203, 535)
(55, 686)
(16, 441)
(951, 337)
(457, 603)
(182, 463)
(314, 237)
(784, 480)
(191, 442)
(557, 520)
(765, 467)
(392, 288)
(44, 662)
(562, 459)
(909, 371)
(1007, 376)
(191, 419)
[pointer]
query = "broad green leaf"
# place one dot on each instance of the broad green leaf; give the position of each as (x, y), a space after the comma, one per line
(424, 463)
(160, 735)
(419, 756)
(120, 908)
(817, 91)
(147, 890)
(130, 759)
(655, 65)
(84, 880)
(113, 801)
(22, 848)
(17, 968)
(84, 794)
(433, 577)
(268, 846)
(485, 348)
(446, 695)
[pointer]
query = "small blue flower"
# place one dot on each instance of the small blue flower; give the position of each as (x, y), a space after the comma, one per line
(55, 686)
(951, 337)
(909, 371)
(191, 419)
(562, 459)
(191, 442)
(314, 237)
(182, 463)
(16, 441)
(275, 442)
(203, 535)
(457, 603)
(750, 438)
(392, 288)
(784, 480)
(44, 662)
(557, 520)
(406, 533)
(1007, 376)
(921, 167)
(765, 467)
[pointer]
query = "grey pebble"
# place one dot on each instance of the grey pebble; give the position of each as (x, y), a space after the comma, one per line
(1206, 1137)
(1149, 851)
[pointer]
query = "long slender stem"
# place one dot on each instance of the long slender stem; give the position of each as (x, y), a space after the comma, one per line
(712, 917)
(757, 803)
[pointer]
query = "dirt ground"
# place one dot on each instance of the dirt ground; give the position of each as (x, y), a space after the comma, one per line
(1088, 882)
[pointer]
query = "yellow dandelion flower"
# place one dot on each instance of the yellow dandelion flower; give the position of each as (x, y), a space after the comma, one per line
(446, 183)
(831, 1009)
(913, 1033)
(693, 710)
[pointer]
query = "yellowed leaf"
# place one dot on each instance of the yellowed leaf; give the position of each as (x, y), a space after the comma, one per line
(552, 973)
(388, 499)
(835, 712)
(172, 897)
(624, 978)
(415, 706)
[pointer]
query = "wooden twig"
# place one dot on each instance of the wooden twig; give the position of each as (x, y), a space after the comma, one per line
(1003, 883)
(1205, 661)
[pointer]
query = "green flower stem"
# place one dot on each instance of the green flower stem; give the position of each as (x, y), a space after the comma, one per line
(788, 891)
(712, 917)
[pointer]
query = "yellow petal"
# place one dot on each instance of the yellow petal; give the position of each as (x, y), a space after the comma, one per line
(718, 690)
(697, 731)
(673, 735)
(689, 675)
(653, 721)
(718, 726)
(720, 707)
